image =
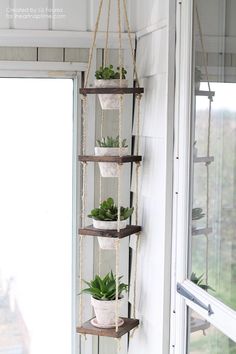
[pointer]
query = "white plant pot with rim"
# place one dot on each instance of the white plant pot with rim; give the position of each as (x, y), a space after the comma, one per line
(109, 169)
(110, 101)
(105, 311)
(108, 243)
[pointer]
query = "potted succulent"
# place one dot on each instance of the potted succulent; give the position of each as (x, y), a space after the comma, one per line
(199, 282)
(107, 77)
(198, 78)
(197, 214)
(103, 299)
(110, 147)
(106, 218)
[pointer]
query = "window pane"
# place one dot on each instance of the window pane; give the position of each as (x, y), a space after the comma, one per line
(36, 216)
(206, 339)
(213, 160)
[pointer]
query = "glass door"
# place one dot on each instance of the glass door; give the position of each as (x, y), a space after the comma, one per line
(209, 288)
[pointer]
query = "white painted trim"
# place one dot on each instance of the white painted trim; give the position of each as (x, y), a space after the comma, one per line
(75, 206)
(224, 318)
(152, 28)
(40, 69)
(181, 173)
(61, 39)
(42, 66)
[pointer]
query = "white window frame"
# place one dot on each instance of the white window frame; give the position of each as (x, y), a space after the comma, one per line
(224, 318)
(30, 69)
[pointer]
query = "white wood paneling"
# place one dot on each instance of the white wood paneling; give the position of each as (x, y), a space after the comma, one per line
(50, 54)
(23, 54)
(56, 39)
(154, 106)
(4, 12)
(28, 15)
(150, 12)
(77, 54)
(94, 5)
(152, 53)
(210, 16)
(230, 18)
(75, 15)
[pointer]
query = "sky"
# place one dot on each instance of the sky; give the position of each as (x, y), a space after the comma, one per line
(36, 205)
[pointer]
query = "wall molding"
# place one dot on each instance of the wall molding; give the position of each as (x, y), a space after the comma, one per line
(57, 39)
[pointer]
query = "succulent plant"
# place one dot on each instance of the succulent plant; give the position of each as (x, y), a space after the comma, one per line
(198, 75)
(198, 281)
(105, 288)
(108, 211)
(197, 214)
(108, 73)
(110, 142)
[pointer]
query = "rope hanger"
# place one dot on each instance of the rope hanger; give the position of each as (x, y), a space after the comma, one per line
(84, 148)
(208, 142)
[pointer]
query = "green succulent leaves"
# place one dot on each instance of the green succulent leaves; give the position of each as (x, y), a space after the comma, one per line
(197, 214)
(110, 142)
(105, 288)
(108, 211)
(108, 73)
(198, 281)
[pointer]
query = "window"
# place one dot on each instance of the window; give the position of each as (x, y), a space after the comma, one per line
(36, 138)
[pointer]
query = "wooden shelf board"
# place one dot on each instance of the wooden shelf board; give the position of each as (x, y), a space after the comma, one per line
(111, 90)
(202, 231)
(209, 94)
(206, 159)
(117, 159)
(88, 328)
(129, 230)
(199, 325)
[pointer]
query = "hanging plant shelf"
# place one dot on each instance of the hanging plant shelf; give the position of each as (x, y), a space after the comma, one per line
(208, 94)
(202, 231)
(206, 159)
(199, 325)
(92, 231)
(112, 90)
(116, 159)
(88, 328)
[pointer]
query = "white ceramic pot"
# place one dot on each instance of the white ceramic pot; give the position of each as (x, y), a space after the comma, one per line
(105, 311)
(109, 225)
(108, 243)
(109, 169)
(110, 101)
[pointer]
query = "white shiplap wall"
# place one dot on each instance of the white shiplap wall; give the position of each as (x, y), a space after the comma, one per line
(155, 65)
(150, 18)
(72, 15)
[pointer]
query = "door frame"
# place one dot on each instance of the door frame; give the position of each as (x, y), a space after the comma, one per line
(61, 70)
(224, 318)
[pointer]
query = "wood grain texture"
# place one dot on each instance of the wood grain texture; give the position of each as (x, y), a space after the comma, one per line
(112, 90)
(117, 159)
(88, 328)
(129, 230)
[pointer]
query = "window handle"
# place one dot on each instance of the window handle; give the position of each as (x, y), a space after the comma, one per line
(182, 291)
